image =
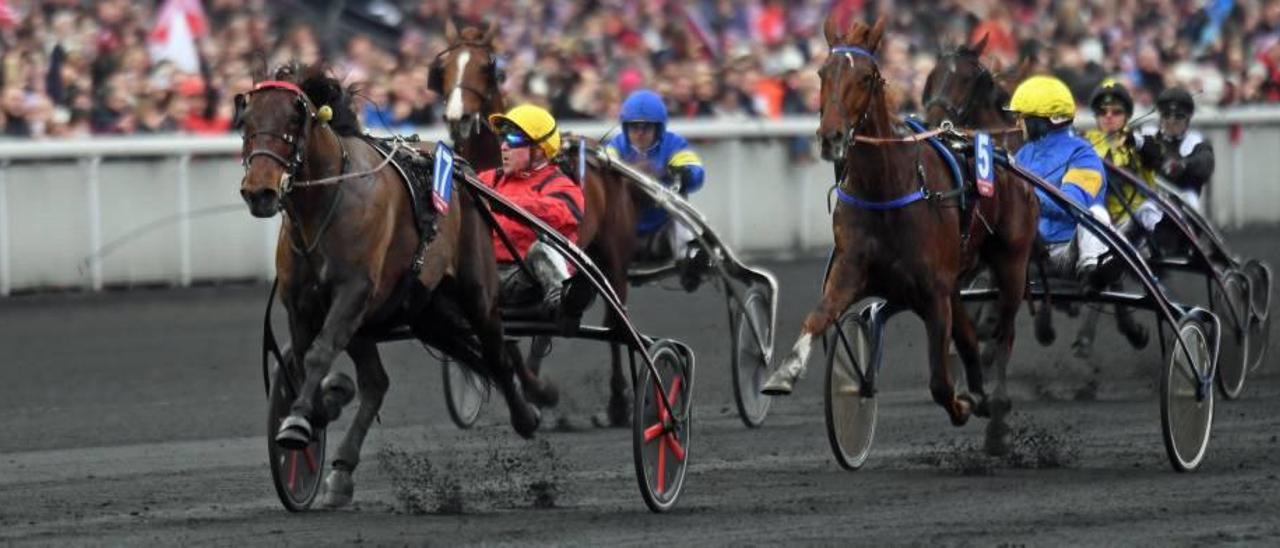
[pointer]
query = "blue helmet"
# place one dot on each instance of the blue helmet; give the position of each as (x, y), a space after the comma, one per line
(644, 105)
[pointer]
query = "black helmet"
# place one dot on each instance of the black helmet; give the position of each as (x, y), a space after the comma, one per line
(1175, 100)
(1111, 90)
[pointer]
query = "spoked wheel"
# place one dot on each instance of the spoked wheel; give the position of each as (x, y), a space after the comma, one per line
(465, 392)
(1233, 310)
(660, 435)
(752, 345)
(296, 474)
(1186, 405)
(850, 399)
(982, 315)
(1259, 275)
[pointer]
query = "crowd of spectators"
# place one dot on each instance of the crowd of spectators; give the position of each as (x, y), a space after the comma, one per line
(79, 67)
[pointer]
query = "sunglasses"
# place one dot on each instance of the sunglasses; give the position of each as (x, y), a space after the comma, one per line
(1175, 115)
(516, 139)
(1110, 112)
(641, 126)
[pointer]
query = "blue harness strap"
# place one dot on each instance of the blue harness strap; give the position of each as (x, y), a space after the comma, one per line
(878, 206)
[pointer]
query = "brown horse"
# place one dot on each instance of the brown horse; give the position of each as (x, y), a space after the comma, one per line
(466, 74)
(963, 91)
(910, 252)
(344, 256)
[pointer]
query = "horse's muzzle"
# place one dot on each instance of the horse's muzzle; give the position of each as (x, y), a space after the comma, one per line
(263, 203)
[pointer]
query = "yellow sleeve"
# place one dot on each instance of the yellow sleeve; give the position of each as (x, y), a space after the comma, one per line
(1088, 179)
(684, 158)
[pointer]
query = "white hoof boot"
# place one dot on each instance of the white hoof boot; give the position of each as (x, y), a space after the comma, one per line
(779, 383)
(783, 379)
(338, 489)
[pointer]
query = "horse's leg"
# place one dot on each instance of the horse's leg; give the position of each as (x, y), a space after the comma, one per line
(936, 314)
(966, 340)
(1011, 278)
(345, 315)
(372, 380)
(618, 411)
(843, 285)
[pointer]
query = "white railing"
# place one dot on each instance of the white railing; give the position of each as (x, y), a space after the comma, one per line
(167, 210)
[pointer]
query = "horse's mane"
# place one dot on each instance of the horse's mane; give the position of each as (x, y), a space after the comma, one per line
(323, 89)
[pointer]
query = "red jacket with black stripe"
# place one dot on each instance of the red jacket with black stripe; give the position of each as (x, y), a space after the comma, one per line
(547, 193)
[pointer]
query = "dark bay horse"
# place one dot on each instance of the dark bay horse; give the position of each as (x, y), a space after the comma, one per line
(910, 252)
(466, 74)
(344, 255)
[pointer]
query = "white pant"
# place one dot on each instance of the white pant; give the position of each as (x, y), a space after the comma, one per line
(1192, 198)
(1147, 214)
(1085, 248)
(547, 264)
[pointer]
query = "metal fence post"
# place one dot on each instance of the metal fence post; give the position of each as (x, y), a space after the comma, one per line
(1237, 176)
(94, 195)
(735, 181)
(184, 221)
(4, 228)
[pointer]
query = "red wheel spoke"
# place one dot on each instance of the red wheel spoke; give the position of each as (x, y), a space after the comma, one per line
(675, 390)
(662, 465)
(654, 431)
(311, 459)
(293, 469)
(657, 401)
(677, 450)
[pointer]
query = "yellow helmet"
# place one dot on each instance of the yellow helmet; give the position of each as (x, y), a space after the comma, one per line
(535, 122)
(1045, 97)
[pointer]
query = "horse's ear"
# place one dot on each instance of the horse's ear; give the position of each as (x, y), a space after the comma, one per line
(489, 33)
(237, 117)
(875, 35)
(450, 30)
(981, 46)
(831, 30)
(260, 69)
(997, 65)
(1023, 70)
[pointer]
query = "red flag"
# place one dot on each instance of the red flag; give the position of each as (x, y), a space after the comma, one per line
(178, 25)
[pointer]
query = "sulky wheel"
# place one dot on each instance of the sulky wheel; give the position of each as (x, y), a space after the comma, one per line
(752, 334)
(1259, 276)
(660, 436)
(1234, 356)
(465, 392)
(850, 398)
(296, 474)
(1186, 403)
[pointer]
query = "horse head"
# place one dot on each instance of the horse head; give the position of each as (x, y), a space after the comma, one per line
(278, 120)
(958, 87)
(466, 74)
(850, 81)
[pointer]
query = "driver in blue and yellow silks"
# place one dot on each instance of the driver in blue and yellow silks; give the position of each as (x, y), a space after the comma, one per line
(1053, 151)
(646, 144)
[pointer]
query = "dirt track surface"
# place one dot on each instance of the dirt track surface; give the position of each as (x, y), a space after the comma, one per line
(138, 418)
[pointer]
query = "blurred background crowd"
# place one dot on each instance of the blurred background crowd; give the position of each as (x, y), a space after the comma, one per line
(81, 67)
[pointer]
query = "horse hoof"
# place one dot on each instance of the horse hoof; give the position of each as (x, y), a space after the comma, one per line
(526, 423)
(1137, 335)
(779, 384)
(544, 394)
(337, 390)
(961, 409)
(294, 433)
(339, 489)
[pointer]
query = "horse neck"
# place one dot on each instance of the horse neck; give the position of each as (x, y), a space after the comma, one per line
(482, 149)
(322, 158)
(869, 167)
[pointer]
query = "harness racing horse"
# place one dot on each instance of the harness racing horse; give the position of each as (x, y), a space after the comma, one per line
(899, 234)
(607, 229)
(345, 260)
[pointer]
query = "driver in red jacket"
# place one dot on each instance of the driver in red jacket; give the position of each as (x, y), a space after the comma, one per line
(530, 140)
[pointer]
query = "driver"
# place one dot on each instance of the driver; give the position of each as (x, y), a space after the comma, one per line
(1045, 109)
(529, 141)
(1182, 157)
(646, 143)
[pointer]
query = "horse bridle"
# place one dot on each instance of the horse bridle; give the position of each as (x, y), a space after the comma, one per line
(957, 115)
(297, 143)
(435, 78)
(876, 83)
